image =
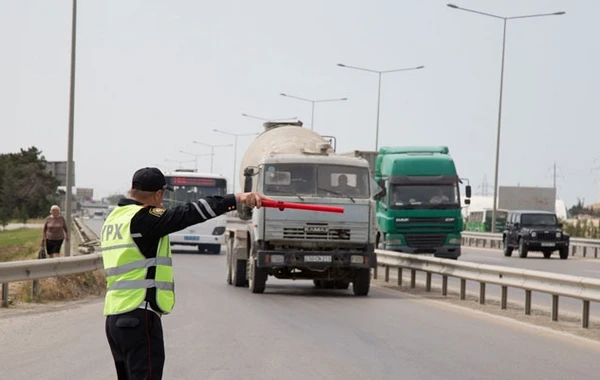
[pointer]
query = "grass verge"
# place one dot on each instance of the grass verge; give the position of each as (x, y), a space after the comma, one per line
(20, 244)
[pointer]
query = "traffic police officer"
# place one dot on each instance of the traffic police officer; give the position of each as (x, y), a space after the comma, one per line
(137, 261)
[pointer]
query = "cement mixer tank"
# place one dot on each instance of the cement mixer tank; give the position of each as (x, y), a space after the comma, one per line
(283, 138)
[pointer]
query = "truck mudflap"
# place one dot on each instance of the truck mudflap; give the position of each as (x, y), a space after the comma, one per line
(314, 259)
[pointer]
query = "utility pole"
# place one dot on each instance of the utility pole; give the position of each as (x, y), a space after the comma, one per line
(555, 176)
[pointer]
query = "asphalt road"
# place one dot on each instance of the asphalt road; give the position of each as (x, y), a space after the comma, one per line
(294, 331)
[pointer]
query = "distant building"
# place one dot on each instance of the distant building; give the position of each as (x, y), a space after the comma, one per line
(480, 202)
(58, 169)
(84, 194)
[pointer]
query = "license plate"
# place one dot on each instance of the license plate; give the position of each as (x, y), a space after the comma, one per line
(191, 237)
(548, 244)
(317, 259)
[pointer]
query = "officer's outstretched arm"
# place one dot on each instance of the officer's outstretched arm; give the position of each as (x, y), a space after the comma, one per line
(157, 222)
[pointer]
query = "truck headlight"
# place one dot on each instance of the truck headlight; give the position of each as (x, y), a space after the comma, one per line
(276, 258)
(357, 259)
(533, 234)
(558, 235)
(454, 241)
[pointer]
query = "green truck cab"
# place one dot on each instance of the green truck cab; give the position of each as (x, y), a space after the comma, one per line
(419, 208)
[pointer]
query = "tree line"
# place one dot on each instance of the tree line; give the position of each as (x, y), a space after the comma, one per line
(27, 189)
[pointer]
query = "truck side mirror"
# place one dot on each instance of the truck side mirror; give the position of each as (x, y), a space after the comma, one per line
(381, 193)
(467, 201)
(247, 184)
(248, 172)
(468, 191)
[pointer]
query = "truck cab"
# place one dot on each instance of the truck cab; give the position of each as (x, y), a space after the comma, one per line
(333, 250)
(419, 209)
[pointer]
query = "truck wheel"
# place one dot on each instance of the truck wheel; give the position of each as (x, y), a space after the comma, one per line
(228, 253)
(258, 278)
(564, 253)
(507, 249)
(522, 249)
(362, 282)
(238, 271)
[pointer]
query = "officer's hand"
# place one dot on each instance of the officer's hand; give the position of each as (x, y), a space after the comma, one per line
(250, 199)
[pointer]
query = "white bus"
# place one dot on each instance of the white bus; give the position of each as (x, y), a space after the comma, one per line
(189, 186)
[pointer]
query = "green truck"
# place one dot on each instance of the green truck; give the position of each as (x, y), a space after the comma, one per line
(419, 206)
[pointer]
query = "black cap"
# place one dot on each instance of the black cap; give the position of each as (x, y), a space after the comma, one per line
(149, 179)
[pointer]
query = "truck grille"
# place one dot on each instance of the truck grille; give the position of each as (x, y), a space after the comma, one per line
(431, 224)
(316, 233)
(425, 240)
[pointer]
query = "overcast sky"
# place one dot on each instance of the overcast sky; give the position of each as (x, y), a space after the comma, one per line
(152, 76)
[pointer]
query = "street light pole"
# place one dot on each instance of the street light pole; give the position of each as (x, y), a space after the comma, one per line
(379, 73)
(212, 151)
(179, 163)
(269, 119)
(312, 125)
(70, 165)
(235, 139)
(195, 157)
(504, 19)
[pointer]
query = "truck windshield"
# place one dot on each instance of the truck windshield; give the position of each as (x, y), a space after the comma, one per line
(188, 189)
(538, 220)
(336, 181)
(424, 196)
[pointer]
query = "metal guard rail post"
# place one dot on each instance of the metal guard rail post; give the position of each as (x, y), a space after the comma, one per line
(557, 285)
(37, 269)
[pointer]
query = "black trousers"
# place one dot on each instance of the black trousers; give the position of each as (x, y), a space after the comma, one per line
(136, 343)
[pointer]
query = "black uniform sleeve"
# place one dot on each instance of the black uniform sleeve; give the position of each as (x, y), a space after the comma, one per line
(152, 223)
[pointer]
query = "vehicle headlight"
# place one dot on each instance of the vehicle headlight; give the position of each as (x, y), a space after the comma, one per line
(357, 259)
(558, 235)
(454, 241)
(276, 258)
(533, 234)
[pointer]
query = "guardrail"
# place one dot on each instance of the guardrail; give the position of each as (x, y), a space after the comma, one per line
(37, 269)
(494, 240)
(88, 238)
(557, 285)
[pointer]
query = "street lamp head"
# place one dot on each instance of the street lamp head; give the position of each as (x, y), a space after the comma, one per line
(420, 67)
(341, 65)
(559, 13)
(282, 94)
(344, 99)
(453, 6)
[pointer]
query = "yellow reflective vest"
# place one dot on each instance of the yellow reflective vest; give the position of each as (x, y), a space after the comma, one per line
(126, 267)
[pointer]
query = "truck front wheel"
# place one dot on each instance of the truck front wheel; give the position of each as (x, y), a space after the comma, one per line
(362, 282)
(238, 270)
(258, 278)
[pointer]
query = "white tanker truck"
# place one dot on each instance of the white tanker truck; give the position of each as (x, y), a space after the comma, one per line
(293, 164)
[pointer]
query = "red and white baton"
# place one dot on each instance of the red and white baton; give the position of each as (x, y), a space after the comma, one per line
(300, 206)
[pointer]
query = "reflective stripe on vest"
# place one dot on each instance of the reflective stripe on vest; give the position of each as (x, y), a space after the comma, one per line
(126, 268)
